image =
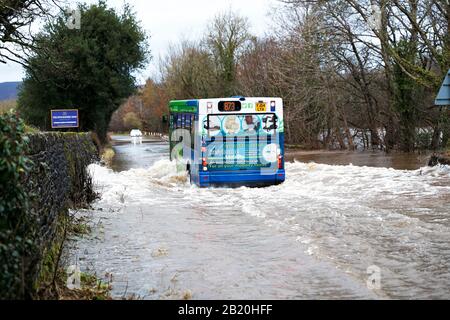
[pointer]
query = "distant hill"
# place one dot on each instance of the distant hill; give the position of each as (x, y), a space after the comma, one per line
(9, 90)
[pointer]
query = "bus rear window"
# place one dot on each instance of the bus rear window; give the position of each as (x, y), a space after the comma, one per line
(242, 124)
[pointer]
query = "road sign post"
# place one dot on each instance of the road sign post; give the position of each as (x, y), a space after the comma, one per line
(65, 119)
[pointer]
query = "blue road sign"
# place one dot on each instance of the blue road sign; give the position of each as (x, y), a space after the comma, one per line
(443, 97)
(64, 119)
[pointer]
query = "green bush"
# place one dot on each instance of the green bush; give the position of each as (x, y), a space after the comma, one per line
(17, 225)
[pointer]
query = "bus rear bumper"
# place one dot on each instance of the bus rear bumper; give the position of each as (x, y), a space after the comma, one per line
(239, 179)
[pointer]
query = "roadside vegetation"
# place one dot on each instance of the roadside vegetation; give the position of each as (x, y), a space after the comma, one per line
(107, 156)
(7, 105)
(53, 280)
(18, 232)
(91, 289)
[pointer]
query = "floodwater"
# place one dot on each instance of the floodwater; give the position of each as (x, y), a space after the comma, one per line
(395, 160)
(317, 236)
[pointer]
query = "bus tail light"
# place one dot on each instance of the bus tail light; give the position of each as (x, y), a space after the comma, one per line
(204, 162)
(280, 161)
(273, 106)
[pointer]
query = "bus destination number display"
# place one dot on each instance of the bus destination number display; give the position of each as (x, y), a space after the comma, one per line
(229, 106)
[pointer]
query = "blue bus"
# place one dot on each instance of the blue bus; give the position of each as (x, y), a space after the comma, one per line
(234, 141)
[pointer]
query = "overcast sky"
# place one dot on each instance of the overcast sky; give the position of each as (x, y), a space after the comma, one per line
(168, 21)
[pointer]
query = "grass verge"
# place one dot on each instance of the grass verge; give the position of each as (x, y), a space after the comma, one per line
(54, 277)
(108, 155)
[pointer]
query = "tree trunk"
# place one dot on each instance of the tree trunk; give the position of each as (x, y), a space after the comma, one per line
(435, 142)
(351, 144)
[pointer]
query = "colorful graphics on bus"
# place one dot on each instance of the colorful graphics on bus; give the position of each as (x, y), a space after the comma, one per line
(242, 141)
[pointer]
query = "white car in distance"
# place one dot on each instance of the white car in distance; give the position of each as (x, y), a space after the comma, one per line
(136, 133)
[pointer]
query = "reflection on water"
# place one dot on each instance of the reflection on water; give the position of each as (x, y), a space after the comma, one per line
(315, 236)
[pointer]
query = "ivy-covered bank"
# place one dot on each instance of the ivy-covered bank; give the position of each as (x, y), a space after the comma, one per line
(42, 176)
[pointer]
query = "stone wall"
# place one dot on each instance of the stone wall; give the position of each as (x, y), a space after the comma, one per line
(58, 181)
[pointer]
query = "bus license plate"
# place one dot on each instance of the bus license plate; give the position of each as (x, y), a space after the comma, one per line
(261, 107)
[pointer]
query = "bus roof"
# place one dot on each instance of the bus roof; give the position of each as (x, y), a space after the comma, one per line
(191, 106)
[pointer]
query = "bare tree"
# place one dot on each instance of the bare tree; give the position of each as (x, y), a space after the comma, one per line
(226, 38)
(189, 72)
(16, 18)
(404, 39)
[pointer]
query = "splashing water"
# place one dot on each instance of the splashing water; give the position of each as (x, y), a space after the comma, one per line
(315, 236)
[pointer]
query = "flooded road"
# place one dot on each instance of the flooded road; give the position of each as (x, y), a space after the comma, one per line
(314, 237)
